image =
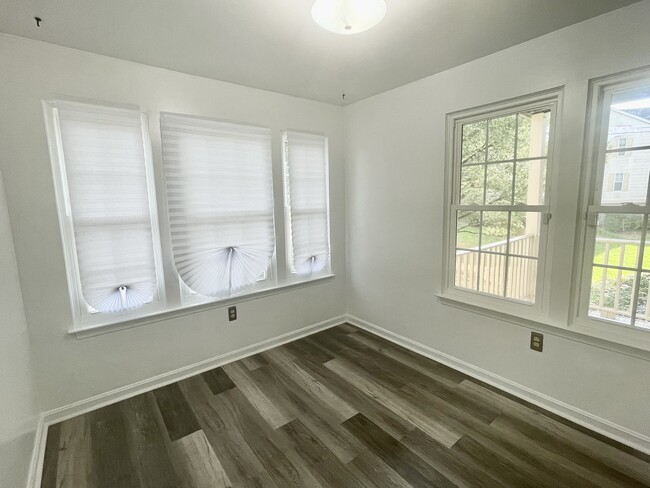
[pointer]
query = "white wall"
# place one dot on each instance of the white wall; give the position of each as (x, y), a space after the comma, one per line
(18, 408)
(395, 162)
(67, 369)
(395, 156)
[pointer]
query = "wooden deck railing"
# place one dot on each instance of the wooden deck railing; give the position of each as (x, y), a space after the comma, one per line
(609, 285)
(488, 271)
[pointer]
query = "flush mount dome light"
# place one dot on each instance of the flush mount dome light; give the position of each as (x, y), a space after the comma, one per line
(348, 16)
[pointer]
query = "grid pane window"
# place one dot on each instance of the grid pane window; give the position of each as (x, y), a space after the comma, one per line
(500, 202)
(618, 265)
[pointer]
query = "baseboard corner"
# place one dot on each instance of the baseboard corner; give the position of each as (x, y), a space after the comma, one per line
(38, 454)
(581, 417)
(107, 398)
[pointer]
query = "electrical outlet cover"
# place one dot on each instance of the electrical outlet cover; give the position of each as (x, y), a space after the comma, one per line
(536, 341)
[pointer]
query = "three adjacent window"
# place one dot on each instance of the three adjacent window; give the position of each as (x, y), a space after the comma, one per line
(220, 213)
(499, 202)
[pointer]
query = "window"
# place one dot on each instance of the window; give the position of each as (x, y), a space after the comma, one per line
(306, 203)
(616, 258)
(217, 196)
(499, 203)
(107, 209)
(220, 202)
(619, 179)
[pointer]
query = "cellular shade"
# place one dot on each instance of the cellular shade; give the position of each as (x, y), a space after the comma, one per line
(105, 169)
(307, 202)
(220, 199)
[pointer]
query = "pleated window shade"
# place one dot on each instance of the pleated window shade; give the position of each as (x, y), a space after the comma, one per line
(102, 151)
(220, 200)
(306, 202)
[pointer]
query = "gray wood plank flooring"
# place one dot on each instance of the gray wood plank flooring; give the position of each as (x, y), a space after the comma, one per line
(341, 408)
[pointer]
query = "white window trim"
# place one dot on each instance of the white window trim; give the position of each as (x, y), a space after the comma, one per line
(600, 91)
(82, 317)
(537, 311)
(195, 307)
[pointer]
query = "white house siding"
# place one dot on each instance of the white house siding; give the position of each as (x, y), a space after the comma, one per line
(634, 165)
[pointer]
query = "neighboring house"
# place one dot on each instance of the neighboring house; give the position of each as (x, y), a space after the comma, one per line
(626, 172)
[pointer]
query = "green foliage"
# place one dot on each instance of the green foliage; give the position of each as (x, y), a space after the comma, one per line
(501, 138)
(626, 293)
(474, 142)
(492, 184)
(620, 226)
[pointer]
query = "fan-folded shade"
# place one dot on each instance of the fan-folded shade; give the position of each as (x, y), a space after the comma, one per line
(306, 167)
(220, 200)
(105, 169)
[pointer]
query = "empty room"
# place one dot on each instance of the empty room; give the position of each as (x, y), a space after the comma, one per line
(324, 243)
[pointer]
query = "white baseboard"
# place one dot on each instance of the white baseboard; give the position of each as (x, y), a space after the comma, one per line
(93, 403)
(38, 455)
(581, 417)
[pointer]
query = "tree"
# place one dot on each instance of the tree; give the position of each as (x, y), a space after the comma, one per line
(488, 141)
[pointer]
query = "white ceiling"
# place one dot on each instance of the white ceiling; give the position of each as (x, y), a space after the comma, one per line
(275, 45)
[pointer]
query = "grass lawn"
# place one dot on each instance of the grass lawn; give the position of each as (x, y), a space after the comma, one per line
(629, 259)
(468, 238)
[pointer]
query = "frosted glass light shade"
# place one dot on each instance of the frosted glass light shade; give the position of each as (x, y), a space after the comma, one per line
(348, 16)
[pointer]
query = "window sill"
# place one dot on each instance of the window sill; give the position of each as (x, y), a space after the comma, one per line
(619, 334)
(84, 332)
(630, 342)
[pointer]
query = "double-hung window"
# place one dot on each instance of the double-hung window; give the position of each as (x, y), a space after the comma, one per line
(498, 206)
(220, 203)
(306, 203)
(616, 252)
(107, 208)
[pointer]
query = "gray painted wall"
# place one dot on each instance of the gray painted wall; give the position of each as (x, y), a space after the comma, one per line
(18, 407)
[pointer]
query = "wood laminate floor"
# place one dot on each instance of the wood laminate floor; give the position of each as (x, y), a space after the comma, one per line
(341, 408)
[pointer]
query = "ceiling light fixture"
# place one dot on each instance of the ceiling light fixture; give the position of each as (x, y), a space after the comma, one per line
(348, 16)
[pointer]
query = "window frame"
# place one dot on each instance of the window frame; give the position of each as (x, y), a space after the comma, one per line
(617, 182)
(600, 93)
(174, 297)
(537, 311)
(270, 280)
(292, 275)
(82, 315)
